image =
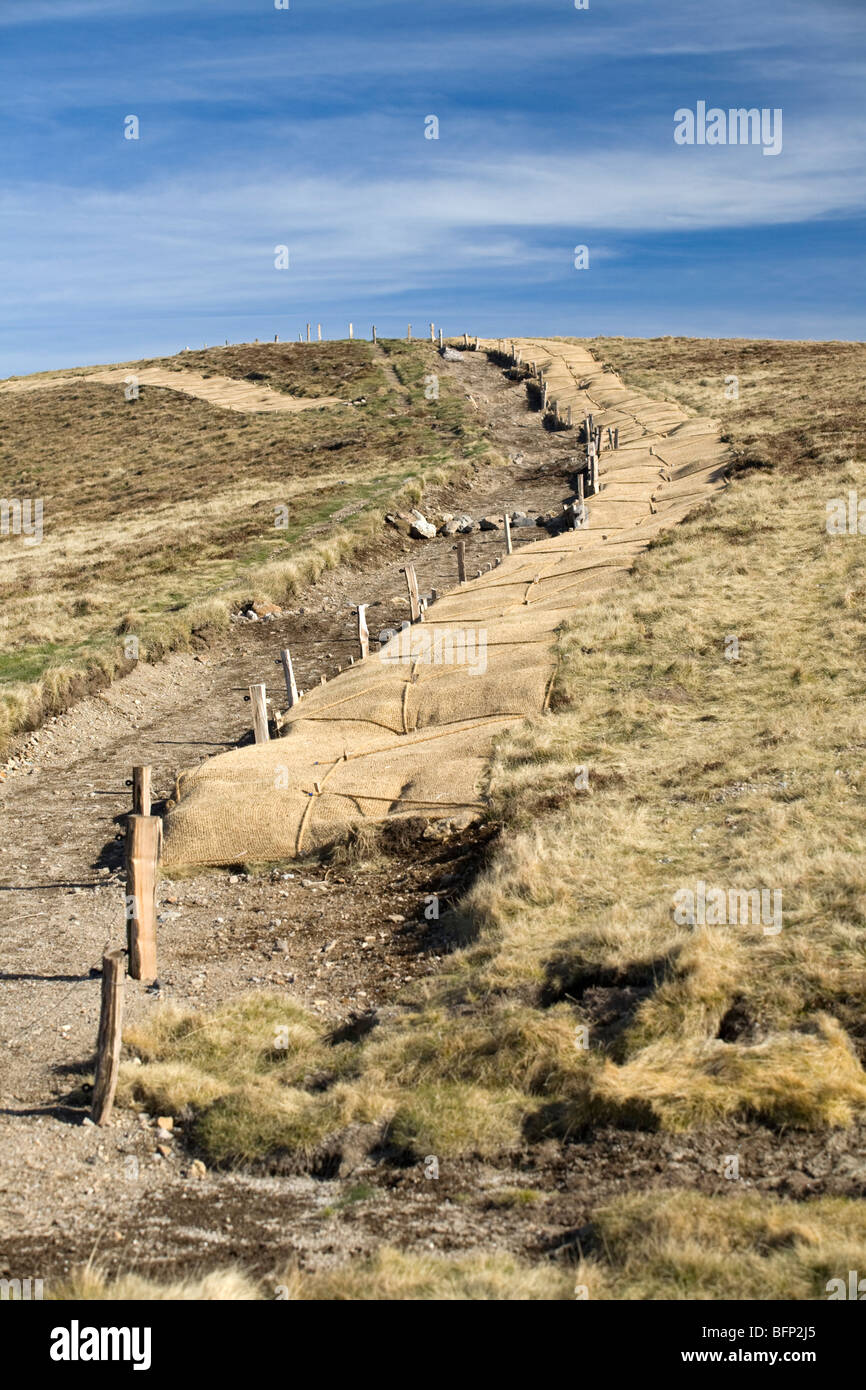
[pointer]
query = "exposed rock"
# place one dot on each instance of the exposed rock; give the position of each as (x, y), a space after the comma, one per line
(521, 519)
(421, 529)
(460, 525)
(401, 521)
(491, 523)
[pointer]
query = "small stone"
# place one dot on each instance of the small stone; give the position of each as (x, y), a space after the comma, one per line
(163, 1150)
(165, 1122)
(421, 529)
(491, 523)
(164, 1135)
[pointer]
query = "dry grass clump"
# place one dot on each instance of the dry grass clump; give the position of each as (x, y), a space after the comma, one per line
(388, 1275)
(686, 1246)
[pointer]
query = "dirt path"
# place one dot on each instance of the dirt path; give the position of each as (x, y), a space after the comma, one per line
(226, 392)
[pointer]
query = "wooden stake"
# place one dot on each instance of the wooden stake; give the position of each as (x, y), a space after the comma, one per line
(580, 489)
(466, 340)
(412, 585)
(319, 332)
(258, 700)
(308, 332)
(289, 673)
(143, 845)
(141, 791)
(569, 417)
(508, 546)
(374, 333)
(432, 332)
(351, 331)
(109, 1038)
(461, 562)
(440, 340)
(616, 438)
(363, 631)
(408, 332)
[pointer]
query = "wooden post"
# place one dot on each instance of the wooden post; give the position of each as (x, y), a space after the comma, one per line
(508, 546)
(432, 332)
(441, 345)
(434, 594)
(412, 585)
(318, 332)
(351, 331)
(374, 333)
(363, 631)
(289, 673)
(308, 332)
(466, 340)
(109, 1038)
(461, 562)
(141, 788)
(408, 332)
(616, 438)
(323, 680)
(258, 700)
(143, 845)
(544, 396)
(580, 489)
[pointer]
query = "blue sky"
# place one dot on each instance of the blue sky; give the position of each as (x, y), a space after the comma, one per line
(305, 127)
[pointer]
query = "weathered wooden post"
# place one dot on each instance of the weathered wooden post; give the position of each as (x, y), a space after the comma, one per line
(141, 791)
(412, 586)
(259, 702)
(308, 332)
(616, 438)
(375, 339)
(461, 562)
(289, 674)
(441, 341)
(508, 545)
(351, 331)
(408, 332)
(109, 1037)
(143, 845)
(363, 631)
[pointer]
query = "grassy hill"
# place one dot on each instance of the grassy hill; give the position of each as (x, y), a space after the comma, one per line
(159, 513)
